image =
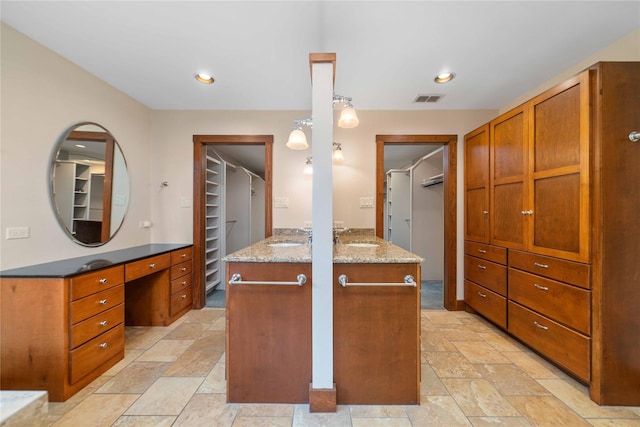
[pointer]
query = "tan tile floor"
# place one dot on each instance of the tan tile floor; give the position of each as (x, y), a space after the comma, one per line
(473, 374)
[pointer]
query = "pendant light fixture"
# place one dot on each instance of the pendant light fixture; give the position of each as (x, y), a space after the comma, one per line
(348, 117)
(297, 139)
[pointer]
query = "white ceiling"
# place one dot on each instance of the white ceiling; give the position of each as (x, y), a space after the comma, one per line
(388, 52)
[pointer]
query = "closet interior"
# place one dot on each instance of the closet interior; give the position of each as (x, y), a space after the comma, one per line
(234, 212)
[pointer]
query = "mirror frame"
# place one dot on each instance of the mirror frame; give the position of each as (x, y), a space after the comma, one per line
(72, 133)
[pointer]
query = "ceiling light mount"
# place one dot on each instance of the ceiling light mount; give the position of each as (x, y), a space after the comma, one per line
(444, 77)
(204, 78)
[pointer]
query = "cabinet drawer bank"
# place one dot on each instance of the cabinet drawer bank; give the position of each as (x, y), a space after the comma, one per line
(62, 323)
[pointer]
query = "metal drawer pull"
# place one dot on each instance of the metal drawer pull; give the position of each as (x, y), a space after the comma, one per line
(526, 212)
(634, 136)
(482, 295)
(537, 264)
(482, 267)
(408, 281)
(485, 212)
(103, 323)
(184, 282)
(184, 296)
(153, 265)
(542, 288)
(103, 345)
(103, 281)
(103, 301)
(184, 269)
(482, 251)
(183, 255)
(236, 279)
(540, 326)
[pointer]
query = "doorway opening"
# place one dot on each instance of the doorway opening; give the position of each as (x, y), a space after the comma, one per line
(449, 190)
(214, 228)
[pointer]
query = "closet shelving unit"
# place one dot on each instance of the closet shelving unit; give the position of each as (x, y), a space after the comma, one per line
(72, 190)
(213, 220)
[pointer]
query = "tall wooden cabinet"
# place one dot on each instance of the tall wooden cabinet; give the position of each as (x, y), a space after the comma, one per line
(564, 196)
(476, 185)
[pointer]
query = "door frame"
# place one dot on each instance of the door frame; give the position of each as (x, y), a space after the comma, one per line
(450, 156)
(200, 143)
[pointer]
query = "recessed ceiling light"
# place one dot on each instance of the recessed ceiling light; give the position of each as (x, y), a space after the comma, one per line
(204, 78)
(444, 77)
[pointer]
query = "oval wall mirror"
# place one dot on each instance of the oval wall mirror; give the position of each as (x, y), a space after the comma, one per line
(89, 184)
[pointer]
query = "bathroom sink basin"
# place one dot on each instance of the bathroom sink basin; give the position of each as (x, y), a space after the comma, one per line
(362, 245)
(284, 244)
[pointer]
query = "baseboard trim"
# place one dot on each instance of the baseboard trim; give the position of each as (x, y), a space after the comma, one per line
(322, 399)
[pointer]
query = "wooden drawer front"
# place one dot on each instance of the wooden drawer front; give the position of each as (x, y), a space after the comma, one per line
(180, 283)
(486, 273)
(571, 272)
(90, 283)
(91, 355)
(181, 255)
(137, 269)
(180, 300)
(488, 303)
(564, 346)
(93, 304)
(566, 304)
(486, 252)
(180, 269)
(94, 326)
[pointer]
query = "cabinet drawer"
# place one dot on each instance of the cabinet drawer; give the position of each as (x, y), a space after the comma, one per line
(180, 255)
(488, 303)
(486, 273)
(94, 353)
(571, 272)
(137, 269)
(94, 326)
(564, 346)
(93, 304)
(180, 269)
(90, 283)
(487, 252)
(180, 300)
(180, 283)
(566, 304)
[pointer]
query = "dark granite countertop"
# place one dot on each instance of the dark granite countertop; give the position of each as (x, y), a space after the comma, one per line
(73, 266)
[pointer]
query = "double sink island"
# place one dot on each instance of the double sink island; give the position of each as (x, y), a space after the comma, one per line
(376, 321)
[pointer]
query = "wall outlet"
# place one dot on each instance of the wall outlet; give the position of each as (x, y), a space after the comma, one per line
(146, 224)
(185, 202)
(366, 202)
(338, 224)
(17, 233)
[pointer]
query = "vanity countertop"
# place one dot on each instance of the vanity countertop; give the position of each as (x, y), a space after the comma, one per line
(73, 266)
(369, 250)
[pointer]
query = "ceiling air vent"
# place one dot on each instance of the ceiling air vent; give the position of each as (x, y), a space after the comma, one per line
(428, 98)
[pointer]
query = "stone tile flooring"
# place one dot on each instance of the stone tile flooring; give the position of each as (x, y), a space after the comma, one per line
(472, 375)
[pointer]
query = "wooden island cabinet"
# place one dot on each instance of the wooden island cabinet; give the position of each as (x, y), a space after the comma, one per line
(62, 323)
(562, 176)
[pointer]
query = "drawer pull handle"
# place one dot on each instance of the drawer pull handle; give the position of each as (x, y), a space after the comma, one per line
(184, 282)
(103, 302)
(184, 269)
(482, 251)
(103, 281)
(343, 280)
(184, 296)
(103, 345)
(537, 264)
(103, 323)
(482, 267)
(542, 288)
(485, 212)
(540, 326)
(153, 265)
(482, 295)
(183, 255)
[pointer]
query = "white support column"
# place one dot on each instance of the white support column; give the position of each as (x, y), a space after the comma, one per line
(322, 213)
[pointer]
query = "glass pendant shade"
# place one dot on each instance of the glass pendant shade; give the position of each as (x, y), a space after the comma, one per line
(338, 157)
(308, 169)
(348, 118)
(297, 140)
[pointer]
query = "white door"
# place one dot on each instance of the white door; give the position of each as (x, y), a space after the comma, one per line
(399, 191)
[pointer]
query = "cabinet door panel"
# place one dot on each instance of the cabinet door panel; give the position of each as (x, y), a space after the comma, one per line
(476, 217)
(476, 185)
(509, 148)
(556, 219)
(507, 219)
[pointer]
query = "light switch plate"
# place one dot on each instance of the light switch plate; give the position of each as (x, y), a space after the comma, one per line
(366, 202)
(17, 233)
(281, 202)
(185, 202)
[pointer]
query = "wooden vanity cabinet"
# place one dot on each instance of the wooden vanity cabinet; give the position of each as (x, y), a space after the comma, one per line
(376, 335)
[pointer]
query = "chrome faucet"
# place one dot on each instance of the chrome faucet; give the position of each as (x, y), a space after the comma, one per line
(310, 237)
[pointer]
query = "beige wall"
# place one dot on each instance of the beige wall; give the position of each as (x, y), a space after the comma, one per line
(42, 95)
